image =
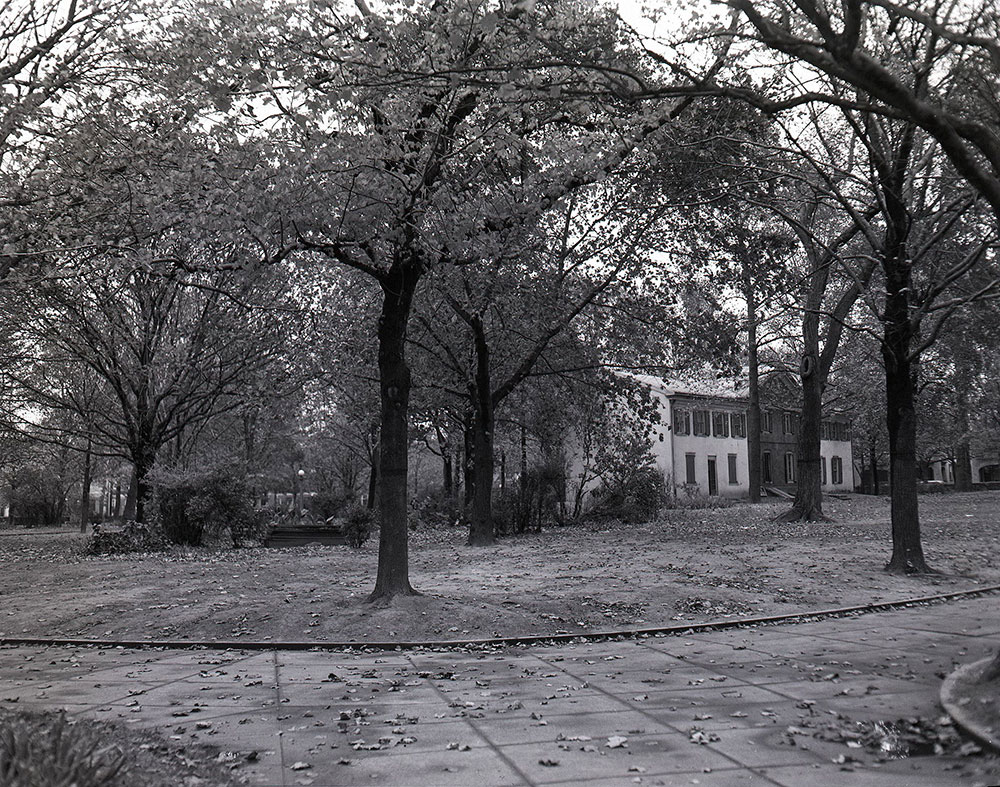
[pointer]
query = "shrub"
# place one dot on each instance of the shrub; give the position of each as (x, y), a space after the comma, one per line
(36, 752)
(639, 499)
(190, 505)
(435, 509)
(132, 537)
(358, 525)
(536, 500)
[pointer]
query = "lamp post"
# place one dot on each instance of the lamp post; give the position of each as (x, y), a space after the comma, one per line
(297, 497)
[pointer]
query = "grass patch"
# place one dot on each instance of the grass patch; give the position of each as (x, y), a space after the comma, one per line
(46, 749)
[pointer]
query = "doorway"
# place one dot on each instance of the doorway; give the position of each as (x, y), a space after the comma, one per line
(713, 478)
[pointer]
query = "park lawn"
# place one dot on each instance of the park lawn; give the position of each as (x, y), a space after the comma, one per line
(688, 566)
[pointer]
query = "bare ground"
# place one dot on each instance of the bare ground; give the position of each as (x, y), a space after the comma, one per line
(689, 566)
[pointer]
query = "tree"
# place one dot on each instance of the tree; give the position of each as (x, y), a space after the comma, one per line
(896, 69)
(466, 137)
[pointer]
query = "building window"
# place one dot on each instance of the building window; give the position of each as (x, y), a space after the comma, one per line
(739, 422)
(765, 468)
(788, 423)
(822, 464)
(789, 468)
(682, 422)
(837, 469)
(765, 420)
(689, 467)
(845, 431)
(732, 469)
(825, 431)
(720, 424)
(701, 424)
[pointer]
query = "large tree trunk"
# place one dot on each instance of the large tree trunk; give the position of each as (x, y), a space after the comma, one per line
(481, 522)
(963, 454)
(901, 420)
(144, 458)
(393, 576)
(85, 493)
(468, 459)
(808, 503)
(753, 408)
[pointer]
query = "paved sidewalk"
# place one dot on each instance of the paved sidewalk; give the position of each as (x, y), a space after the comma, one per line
(742, 707)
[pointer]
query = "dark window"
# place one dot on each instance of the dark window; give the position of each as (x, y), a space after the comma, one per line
(701, 424)
(739, 422)
(732, 469)
(837, 469)
(788, 423)
(822, 462)
(765, 420)
(689, 466)
(765, 467)
(682, 422)
(720, 424)
(789, 468)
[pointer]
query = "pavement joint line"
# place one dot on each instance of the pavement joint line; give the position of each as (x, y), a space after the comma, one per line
(525, 640)
(280, 737)
(684, 734)
(497, 750)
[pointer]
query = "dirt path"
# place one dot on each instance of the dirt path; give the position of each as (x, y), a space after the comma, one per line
(689, 566)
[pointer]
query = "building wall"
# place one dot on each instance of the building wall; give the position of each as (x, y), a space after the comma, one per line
(702, 447)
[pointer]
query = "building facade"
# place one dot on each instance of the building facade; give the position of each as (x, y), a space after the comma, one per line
(700, 444)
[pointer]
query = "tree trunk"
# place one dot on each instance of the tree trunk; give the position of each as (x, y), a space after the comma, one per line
(393, 576)
(144, 459)
(901, 420)
(963, 454)
(808, 503)
(468, 459)
(85, 494)
(481, 521)
(753, 407)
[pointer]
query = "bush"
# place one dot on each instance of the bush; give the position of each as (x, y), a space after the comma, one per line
(435, 509)
(536, 500)
(358, 525)
(638, 500)
(132, 537)
(189, 506)
(35, 752)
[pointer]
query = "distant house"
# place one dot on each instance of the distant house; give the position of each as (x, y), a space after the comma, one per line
(700, 444)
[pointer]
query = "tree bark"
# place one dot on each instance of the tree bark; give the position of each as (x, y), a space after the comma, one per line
(481, 521)
(144, 459)
(393, 577)
(753, 407)
(85, 493)
(901, 417)
(468, 459)
(808, 503)
(963, 453)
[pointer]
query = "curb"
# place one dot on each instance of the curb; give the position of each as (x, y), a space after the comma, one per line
(497, 642)
(949, 701)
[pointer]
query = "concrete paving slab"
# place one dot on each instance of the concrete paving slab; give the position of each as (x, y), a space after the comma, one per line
(389, 718)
